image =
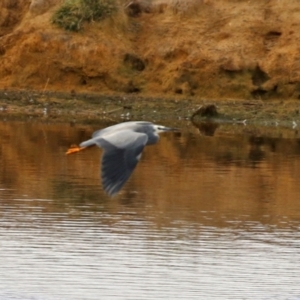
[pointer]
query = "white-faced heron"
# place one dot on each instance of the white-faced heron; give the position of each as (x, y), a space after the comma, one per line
(123, 145)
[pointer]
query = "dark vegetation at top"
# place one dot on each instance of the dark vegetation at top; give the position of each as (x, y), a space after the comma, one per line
(73, 13)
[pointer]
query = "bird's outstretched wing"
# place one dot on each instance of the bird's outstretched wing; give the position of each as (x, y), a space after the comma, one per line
(122, 151)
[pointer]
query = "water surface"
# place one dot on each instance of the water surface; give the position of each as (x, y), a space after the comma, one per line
(204, 216)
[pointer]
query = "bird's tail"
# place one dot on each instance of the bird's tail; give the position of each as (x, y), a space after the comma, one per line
(74, 149)
(82, 146)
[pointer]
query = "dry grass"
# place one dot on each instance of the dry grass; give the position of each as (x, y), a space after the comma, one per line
(183, 6)
(176, 6)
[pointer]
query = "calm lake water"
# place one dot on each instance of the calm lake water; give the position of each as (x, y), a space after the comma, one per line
(208, 214)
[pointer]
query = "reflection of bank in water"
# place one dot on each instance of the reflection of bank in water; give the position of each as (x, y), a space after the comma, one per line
(206, 128)
(205, 115)
(207, 119)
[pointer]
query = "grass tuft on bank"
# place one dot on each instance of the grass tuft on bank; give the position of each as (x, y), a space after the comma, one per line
(73, 13)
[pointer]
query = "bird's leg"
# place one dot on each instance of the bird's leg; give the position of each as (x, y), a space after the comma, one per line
(74, 149)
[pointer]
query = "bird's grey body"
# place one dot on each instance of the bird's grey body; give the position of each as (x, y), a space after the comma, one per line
(123, 145)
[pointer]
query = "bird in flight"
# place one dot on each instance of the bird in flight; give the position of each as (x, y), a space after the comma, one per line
(122, 146)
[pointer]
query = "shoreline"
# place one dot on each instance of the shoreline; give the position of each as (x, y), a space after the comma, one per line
(91, 106)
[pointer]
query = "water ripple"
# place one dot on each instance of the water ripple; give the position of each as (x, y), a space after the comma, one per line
(199, 219)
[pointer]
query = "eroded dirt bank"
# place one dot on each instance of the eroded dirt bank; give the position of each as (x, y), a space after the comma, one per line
(201, 49)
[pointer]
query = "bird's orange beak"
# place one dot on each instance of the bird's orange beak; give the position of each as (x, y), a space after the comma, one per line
(74, 149)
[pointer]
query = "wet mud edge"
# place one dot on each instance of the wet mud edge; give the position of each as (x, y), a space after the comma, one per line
(89, 108)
